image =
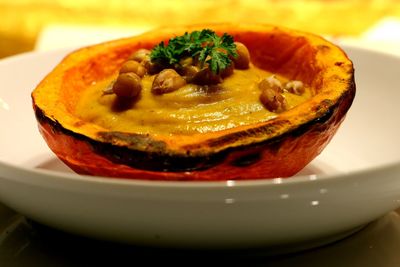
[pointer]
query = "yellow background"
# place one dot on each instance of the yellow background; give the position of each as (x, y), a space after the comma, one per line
(21, 21)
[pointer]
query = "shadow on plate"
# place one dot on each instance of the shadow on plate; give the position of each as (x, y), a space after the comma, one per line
(54, 164)
(26, 243)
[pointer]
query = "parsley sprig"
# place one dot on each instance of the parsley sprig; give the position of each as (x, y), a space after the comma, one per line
(205, 46)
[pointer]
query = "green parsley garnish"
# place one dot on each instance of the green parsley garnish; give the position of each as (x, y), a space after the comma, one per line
(205, 46)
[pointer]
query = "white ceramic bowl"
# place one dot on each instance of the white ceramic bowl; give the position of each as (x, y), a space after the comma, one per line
(354, 181)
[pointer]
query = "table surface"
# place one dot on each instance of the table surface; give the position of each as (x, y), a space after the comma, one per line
(26, 243)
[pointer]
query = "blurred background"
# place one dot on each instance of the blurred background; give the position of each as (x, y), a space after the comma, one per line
(26, 25)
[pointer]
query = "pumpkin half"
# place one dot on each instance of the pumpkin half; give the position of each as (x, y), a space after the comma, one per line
(278, 147)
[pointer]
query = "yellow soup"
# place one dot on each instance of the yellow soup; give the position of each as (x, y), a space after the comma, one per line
(190, 109)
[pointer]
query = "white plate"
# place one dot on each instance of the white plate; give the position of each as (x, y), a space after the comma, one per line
(354, 181)
(23, 243)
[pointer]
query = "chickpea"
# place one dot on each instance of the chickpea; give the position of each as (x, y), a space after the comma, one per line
(242, 61)
(185, 62)
(205, 76)
(273, 100)
(228, 71)
(168, 80)
(271, 82)
(272, 94)
(151, 68)
(295, 87)
(127, 85)
(140, 55)
(133, 66)
(189, 72)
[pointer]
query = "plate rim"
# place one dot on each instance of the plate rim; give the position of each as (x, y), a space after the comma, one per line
(300, 179)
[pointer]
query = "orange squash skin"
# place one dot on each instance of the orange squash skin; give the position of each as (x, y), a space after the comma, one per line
(280, 148)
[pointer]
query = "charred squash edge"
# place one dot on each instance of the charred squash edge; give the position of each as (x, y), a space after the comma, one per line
(164, 160)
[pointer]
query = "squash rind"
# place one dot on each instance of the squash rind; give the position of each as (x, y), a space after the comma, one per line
(277, 148)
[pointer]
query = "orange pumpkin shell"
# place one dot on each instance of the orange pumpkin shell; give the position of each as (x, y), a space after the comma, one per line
(279, 147)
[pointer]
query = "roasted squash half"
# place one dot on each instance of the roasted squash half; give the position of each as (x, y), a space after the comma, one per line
(277, 147)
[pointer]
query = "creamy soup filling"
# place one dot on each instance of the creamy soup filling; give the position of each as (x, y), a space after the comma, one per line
(191, 109)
